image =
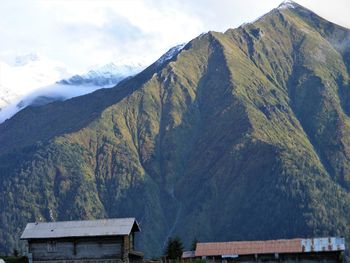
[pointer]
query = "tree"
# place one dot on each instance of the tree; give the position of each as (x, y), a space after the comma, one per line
(15, 253)
(174, 248)
(194, 244)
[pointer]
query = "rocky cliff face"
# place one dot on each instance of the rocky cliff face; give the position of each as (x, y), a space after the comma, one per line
(241, 135)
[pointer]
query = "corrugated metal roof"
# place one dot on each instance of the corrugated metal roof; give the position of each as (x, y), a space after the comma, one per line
(268, 247)
(100, 227)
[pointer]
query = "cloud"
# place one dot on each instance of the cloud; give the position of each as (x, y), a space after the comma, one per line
(81, 33)
(49, 93)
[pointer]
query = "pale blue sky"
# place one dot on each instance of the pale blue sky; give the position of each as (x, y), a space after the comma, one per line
(81, 33)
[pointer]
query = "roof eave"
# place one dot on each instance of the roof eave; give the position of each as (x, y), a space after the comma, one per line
(135, 227)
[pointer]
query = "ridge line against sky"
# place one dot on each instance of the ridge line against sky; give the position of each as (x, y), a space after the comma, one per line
(82, 33)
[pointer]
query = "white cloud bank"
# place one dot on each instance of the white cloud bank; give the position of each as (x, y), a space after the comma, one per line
(81, 33)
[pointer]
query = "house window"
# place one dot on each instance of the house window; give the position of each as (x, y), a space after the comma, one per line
(51, 246)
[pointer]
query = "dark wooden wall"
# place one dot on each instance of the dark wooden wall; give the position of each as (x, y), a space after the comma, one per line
(78, 248)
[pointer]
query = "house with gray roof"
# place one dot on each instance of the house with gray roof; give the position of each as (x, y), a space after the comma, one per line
(88, 241)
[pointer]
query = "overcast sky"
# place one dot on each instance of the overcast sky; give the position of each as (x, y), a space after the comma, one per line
(81, 33)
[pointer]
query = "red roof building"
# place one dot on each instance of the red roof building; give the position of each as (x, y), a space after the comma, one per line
(329, 248)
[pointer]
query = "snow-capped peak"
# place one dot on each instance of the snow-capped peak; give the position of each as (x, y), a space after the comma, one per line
(115, 69)
(170, 54)
(106, 75)
(287, 4)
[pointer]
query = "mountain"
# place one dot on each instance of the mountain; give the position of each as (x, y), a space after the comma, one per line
(44, 81)
(107, 75)
(240, 135)
(111, 74)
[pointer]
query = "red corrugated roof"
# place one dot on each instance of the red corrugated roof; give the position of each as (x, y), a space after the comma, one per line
(249, 247)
